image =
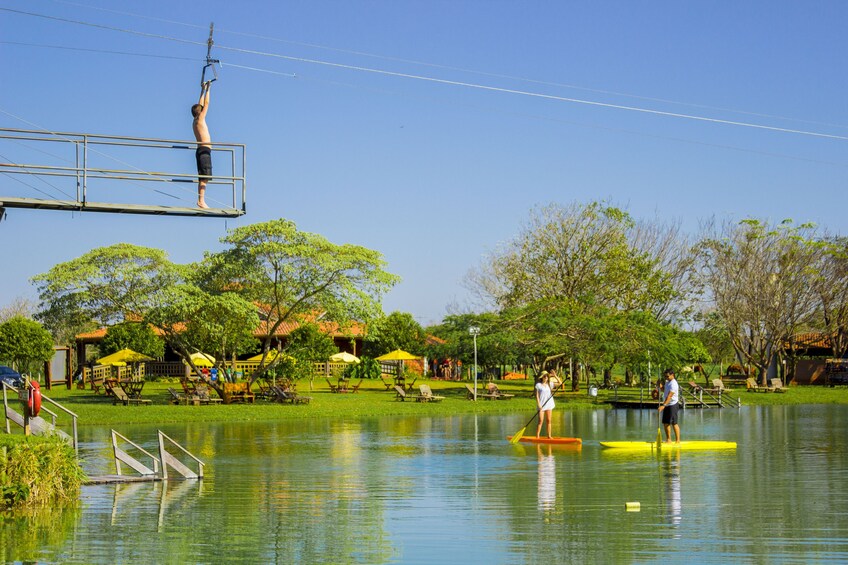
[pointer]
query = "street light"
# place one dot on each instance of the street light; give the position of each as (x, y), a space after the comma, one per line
(475, 331)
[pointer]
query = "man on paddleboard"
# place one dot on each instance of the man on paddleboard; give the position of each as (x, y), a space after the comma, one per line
(545, 402)
(669, 406)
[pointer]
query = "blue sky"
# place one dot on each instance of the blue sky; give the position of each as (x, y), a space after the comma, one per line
(526, 109)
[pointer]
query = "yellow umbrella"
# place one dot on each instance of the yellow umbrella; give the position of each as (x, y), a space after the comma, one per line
(122, 357)
(202, 359)
(272, 354)
(344, 357)
(397, 355)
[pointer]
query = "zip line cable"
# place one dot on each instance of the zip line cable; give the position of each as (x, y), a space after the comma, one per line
(474, 106)
(105, 51)
(453, 82)
(459, 69)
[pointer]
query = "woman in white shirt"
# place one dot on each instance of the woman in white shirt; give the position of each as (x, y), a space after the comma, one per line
(545, 402)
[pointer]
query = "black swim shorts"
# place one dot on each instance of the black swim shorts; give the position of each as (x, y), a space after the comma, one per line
(203, 156)
(669, 414)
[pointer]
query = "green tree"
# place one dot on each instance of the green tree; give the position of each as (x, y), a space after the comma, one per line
(307, 344)
(139, 337)
(25, 344)
(398, 330)
(294, 275)
(758, 276)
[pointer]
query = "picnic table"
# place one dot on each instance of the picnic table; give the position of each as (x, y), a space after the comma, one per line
(132, 387)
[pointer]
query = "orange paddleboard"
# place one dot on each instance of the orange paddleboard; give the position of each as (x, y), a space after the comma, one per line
(555, 440)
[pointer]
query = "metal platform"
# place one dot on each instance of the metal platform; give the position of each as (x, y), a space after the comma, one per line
(155, 210)
(80, 172)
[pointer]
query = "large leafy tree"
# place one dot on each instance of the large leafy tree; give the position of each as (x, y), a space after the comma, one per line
(758, 277)
(398, 330)
(829, 283)
(294, 275)
(137, 336)
(25, 344)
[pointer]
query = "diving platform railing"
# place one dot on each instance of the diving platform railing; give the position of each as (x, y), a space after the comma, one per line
(83, 176)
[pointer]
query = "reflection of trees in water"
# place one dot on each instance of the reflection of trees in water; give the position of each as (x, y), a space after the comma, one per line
(25, 532)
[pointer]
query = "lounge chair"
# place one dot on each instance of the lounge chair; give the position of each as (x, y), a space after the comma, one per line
(177, 397)
(754, 387)
(777, 385)
(400, 393)
(121, 396)
(426, 395)
(498, 394)
(481, 393)
(718, 386)
(333, 388)
(203, 396)
(283, 396)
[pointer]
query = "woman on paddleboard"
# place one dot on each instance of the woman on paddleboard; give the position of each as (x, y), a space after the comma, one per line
(545, 402)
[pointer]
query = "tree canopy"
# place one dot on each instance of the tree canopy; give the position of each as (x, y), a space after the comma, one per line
(25, 344)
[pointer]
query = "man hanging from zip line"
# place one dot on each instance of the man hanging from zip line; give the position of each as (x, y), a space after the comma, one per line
(203, 155)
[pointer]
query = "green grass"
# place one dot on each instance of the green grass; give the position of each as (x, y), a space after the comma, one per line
(372, 400)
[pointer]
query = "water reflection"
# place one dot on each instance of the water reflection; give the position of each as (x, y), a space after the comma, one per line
(671, 483)
(547, 478)
(424, 490)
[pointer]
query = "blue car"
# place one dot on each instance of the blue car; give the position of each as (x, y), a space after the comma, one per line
(10, 376)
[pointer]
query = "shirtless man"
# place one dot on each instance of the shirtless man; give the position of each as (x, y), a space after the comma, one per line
(203, 155)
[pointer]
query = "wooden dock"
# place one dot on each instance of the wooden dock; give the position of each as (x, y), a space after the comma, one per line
(109, 479)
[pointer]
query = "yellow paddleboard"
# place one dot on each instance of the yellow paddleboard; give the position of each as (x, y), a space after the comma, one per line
(649, 445)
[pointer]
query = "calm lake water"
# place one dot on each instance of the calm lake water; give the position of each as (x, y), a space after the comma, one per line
(453, 490)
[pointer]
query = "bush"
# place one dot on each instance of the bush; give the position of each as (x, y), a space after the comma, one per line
(37, 471)
(367, 368)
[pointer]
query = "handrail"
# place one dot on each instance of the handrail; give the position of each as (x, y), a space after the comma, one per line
(162, 453)
(232, 164)
(155, 459)
(74, 417)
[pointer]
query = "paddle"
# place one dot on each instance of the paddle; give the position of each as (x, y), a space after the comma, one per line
(520, 433)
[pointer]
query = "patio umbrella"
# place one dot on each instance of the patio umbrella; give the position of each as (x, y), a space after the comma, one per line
(397, 355)
(344, 357)
(122, 357)
(202, 359)
(272, 354)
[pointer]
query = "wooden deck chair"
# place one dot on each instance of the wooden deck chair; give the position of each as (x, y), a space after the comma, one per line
(426, 395)
(177, 397)
(333, 388)
(121, 396)
(287, 396)
(355, 387)
(202, 394)
(400, 393)
(718, 386)
(498, 394)
(777, 385)
(409, 387)
(387, 384)
(752, 386)
(481, 393)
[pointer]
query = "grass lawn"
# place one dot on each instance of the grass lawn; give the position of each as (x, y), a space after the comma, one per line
(371, 400)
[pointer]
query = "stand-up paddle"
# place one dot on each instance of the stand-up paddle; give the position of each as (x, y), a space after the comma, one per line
(517, 437)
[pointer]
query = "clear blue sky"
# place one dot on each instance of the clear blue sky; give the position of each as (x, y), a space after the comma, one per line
(435, 175)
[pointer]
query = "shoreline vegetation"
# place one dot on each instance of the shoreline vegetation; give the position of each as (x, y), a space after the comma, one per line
(373, 400)
(36, 470)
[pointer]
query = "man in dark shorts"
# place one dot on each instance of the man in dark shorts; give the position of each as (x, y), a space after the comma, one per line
(203, 155)
(670, 405)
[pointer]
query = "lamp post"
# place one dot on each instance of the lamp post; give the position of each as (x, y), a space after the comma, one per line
(475, 331)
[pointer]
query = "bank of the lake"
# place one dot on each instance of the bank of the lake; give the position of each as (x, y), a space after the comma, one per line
(374, 400)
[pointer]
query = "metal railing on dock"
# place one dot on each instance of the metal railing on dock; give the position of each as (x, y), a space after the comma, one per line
(38, 425)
